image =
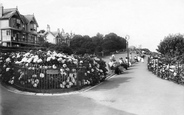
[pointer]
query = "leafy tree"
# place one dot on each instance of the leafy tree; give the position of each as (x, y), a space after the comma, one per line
(63, 47)
(112, 42)
(76, 42)
(98, 41)
(82, 44)
(172, 46)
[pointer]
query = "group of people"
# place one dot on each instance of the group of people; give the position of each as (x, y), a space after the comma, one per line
(119, 66)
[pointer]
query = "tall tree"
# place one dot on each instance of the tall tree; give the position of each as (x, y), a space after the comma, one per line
(172, 46)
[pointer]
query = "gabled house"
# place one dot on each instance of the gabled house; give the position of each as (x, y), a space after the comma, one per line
(17, 30)
(56, 37)
(52, 37)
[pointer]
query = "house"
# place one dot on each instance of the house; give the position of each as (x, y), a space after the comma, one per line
(17, 30)
(56, 37)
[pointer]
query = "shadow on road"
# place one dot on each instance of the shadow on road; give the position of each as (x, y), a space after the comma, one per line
(113, 82)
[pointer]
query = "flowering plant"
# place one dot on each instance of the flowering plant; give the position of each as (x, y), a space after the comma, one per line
(50, 70)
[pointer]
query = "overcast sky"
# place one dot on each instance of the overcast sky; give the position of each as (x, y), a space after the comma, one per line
(145, 21)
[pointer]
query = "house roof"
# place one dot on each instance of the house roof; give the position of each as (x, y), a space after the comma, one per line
(24, 19)
(31, 18)
(7, 13)
(55, 34)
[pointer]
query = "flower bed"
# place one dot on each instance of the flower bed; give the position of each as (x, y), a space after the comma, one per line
(172, 72)
(42, 70)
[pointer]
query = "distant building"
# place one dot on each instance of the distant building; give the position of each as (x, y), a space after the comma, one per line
(17, 30)
(56, 37)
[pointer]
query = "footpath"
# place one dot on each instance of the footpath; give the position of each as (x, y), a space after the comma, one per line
(140, 92)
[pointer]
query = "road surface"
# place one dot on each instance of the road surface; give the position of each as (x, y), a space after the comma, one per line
(136, 92)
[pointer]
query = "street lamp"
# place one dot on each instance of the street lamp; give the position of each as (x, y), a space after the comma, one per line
(127, 37)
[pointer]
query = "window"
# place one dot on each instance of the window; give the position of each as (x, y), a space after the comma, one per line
(6, 35)
(18, 21)
(8, 32)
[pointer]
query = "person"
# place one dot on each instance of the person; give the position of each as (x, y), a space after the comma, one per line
(142, 58)
(113, 57)
(138, 58)
(111, 64)
(135, 58)
(123, 64)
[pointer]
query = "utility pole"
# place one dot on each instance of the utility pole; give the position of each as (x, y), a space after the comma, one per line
(127, 37)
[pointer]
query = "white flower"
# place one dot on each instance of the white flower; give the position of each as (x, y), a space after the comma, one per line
(92, 70)
(81, 61)
(8, 60)
(26, 64)
(70, 83)
(54, 66)
(68, 80)
(68, 86)
(64, 65)
(73, 70)
(35, 59)
(24, 59)
(61, 85)
(29, 60)
(26, 54)
(61, 70)
(53, 57)
(69, 59)
(67, 69)
(37, 81)
(45, 67)
(73, 80)
(42, 75)
(88, 71)
(39, 60)
(175, 73)
(7, 69)
(90, 66)
(34, 75)
(48, 59)
(64, 83)
(11, 81)
(59, 59)
(35, 85)
(63, 61)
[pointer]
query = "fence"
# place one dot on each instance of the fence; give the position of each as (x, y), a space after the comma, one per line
(167, 71)
(48, 79)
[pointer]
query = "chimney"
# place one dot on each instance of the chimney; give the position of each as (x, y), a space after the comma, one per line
(1, 10)
(58, 30)
(48, 28)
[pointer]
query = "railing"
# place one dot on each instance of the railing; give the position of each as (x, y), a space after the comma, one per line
(46, 79)
(166, 71)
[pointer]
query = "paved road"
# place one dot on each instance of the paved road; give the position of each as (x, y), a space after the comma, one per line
(140, 92)
(136, 92)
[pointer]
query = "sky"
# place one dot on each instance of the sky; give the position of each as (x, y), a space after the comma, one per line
(147, 22)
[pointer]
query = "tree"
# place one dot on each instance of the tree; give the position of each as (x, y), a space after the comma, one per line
(172, 46)
(112, 42)
(98, 41)
(82, 44)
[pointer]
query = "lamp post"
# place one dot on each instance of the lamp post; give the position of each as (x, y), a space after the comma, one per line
(127, 37)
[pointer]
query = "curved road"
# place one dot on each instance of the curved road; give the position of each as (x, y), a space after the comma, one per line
(136, 92)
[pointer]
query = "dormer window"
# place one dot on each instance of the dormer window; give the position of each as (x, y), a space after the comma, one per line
(18, 21)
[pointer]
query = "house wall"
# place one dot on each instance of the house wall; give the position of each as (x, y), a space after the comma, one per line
(51, 39)
(4, 23)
